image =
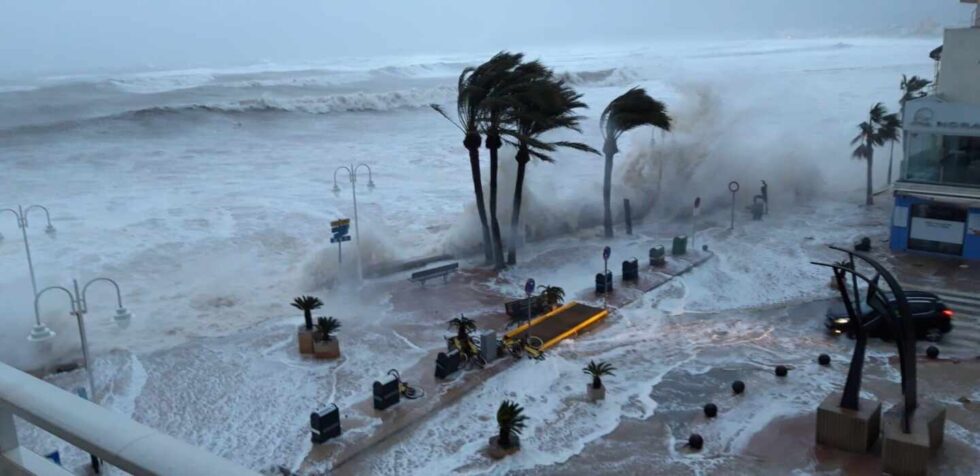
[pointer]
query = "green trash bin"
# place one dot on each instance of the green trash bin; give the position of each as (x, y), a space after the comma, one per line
(680, 245)
(657, 256)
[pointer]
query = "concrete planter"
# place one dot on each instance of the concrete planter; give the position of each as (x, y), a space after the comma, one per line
(595, 394)
(305, 338)
(497, 452)
(848, 430)
(326, 349)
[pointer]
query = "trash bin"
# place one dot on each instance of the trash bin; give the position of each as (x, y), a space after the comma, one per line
(679, 246)
(386, 392)
(603, 283)
(657, 256)
(325, 423)
(758, 208)
(631, 270)
(447, 363)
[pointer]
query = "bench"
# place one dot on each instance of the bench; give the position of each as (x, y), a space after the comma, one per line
(518, 308)
(427, 274)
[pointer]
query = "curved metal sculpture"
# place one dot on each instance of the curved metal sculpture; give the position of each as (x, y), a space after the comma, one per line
(897, 317)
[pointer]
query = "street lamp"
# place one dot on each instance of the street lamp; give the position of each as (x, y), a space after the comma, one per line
(79, 306)
(352, 171)
(21, 214)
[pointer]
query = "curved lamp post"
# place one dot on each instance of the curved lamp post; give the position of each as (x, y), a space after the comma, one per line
(21, 213)
(352, 171)
(79, 306)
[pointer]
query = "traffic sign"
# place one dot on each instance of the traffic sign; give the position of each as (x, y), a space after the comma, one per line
(529, 286)
(340, 222)
(340, 239)
(606, 252)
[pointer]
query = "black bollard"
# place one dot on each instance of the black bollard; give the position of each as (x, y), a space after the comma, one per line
(695, 441)
(325, 423)
(932, 352)
(738, 387)
(710, 410)
(823, 359)
(781, 371)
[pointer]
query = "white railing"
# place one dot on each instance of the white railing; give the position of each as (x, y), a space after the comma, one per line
(121, 442)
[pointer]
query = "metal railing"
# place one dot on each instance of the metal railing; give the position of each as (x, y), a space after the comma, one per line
(118, 440)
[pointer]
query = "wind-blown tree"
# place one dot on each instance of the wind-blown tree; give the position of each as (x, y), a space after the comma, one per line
(880, 127)
(633, 109)
(463, 326)
(544, 105)
(498, 106)
(511, 421)
(912, 88)
(597, 371)
(326, 327)
(472, 88)
(553, 295)
(307, 304)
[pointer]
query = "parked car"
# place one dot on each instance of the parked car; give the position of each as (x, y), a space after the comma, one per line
(931, 317)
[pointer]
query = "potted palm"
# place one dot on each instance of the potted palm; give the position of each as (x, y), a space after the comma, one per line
(325, 343)
(510, 422)
(554, 296)
(307, 304)
(595, 390)
(462, 341)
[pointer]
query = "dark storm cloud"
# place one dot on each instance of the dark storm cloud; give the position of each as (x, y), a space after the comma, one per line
(71, 35)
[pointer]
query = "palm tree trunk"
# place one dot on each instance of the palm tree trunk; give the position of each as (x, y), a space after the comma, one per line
(503, 438)
(472, 144)
(596, 383)
(308, 317)
(523, 156)
(607, 196)
(871, 153)
(494, 143)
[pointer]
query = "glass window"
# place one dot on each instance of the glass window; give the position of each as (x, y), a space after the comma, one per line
(953, 160)
(925, 152)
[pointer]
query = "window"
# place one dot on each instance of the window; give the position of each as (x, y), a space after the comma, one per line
(937, 228)
(952, 160)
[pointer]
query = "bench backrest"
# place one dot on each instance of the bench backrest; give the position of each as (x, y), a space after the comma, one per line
(435, 271)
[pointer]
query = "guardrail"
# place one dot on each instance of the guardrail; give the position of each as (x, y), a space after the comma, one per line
(118, 440)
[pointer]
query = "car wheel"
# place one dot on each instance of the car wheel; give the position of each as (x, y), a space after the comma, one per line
(933, 335)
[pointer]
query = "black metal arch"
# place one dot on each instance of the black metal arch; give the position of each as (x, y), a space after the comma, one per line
(897, 318)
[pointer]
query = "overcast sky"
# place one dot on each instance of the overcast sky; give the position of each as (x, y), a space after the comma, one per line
(44, 36)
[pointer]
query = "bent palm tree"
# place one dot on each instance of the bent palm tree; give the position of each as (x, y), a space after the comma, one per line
(307, 304)
(326, 327)
(543, 105)
(633, 109)
(597, 371)
(463, 326)
(511, 422)
(912, 88)
(878, 129)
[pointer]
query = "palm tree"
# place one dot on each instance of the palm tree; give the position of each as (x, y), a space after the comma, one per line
(878, 129)
(543, 105)
(912, 88)
(463, 326)
(597, 371)
(326, 327)
(472, 89)
(307, 304)
(511, 421)
(553, 295)
(633, 109)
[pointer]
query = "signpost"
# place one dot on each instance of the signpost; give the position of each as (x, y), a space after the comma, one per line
(733, 187)
(529, 290)
(341, 233)
(606, 253)
(694, 220)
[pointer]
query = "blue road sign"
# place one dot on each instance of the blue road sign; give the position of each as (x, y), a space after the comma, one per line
(529, 286)
(340, 239)
(606, 252)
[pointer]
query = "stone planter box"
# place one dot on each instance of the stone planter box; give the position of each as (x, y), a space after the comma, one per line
(326, 350)
(848, 430)
(305, 338)
(497, 452)
(595, 394)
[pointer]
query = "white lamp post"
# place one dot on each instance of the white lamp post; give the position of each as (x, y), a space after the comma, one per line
(352, 171)
(79, 306)
(21, 214)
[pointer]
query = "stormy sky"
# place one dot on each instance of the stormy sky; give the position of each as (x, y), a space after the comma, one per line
(45, 36)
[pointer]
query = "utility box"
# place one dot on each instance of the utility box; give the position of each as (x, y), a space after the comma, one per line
(488, 345)
(679, 246)
(447, 363)
(325, 424)
(658, 257)
(603, 283)
(631, 270)
(386, 392)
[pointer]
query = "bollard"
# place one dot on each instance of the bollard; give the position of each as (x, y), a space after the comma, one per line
(447, 363)
(488, 345)
(603, 283)
(386, 393)
(657, 256)
(710, 410)
(823, 359)
(932, 352)
(781, 370)
(325, 424)
(679, 246)
(738, 387)
(695, 441)
(631, 270)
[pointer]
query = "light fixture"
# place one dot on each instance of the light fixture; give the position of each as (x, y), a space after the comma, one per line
(50, 229)
(40, 333)
(122, 317)
(336, 189)
(370, 184)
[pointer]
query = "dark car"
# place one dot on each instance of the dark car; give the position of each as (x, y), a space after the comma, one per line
(931, 317)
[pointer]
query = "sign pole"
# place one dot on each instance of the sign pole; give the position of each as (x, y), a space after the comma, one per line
(733, 187)
(694, 219)
(528, 289)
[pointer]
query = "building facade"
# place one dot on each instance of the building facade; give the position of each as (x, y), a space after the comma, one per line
(937, 195)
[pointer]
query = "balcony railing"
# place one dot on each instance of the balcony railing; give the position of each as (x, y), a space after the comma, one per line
(119, 441)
